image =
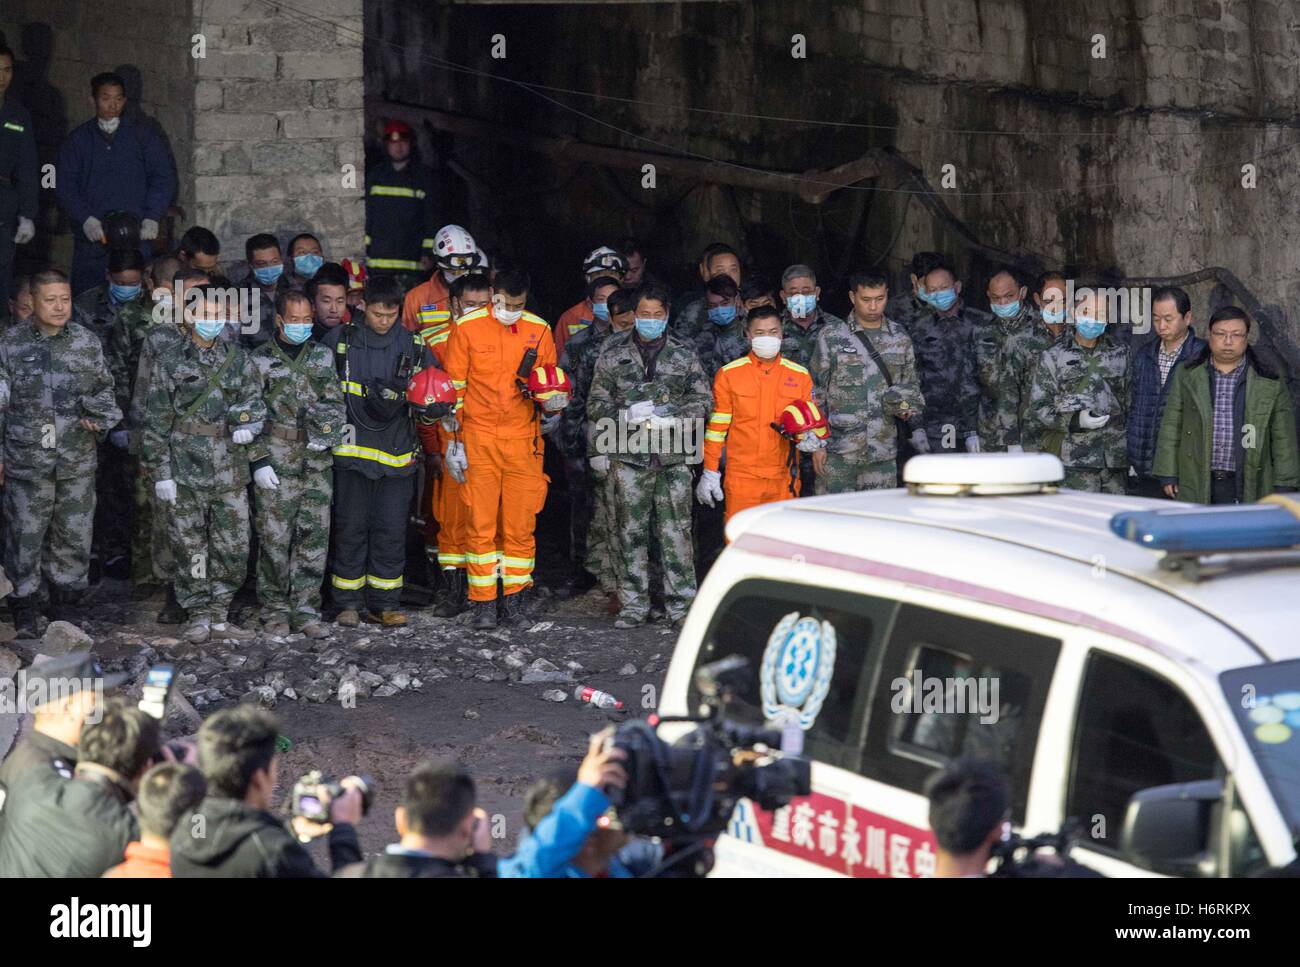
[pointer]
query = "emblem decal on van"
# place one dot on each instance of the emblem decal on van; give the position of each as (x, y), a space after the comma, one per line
(797, 667)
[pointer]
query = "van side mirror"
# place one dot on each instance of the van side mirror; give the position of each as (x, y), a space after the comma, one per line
(1167, 828)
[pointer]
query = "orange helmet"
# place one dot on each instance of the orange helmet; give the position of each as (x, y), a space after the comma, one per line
(431, 392)
(545, 382)
(801, 417)
(356, 270)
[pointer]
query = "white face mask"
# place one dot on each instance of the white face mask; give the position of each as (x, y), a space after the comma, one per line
(109, 126)
(765, 347)
(507, 317)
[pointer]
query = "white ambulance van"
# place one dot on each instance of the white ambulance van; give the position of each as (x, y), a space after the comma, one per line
(1137, 674)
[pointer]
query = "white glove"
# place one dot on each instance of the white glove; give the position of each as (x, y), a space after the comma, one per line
(26, 231)
(556, 403)
(243, 435)
(550, 423)
(315, 447)
(810, 442)
(265, 478)
(640, 412)
(148, 230)
(119, 439)
(165, 490)
(661, 422)
(600, 464)
(450, 423)
(709, 489)
(1090, 422)
(93, 229)
(1015, 448)
(920, 442)
(973, 443)
(456, 462)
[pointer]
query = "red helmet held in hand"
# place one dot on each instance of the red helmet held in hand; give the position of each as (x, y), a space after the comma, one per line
(432, 394)
(546, 382)
(801, 417)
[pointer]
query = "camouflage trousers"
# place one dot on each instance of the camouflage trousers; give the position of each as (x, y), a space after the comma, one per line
(657, 502)
(601, 560)
(847, 472)
(293, 531)
(210, 541)
(151, 539)
(1098, 481)
(48, 524)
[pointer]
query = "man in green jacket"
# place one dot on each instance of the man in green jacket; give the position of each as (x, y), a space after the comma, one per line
(1228, 435)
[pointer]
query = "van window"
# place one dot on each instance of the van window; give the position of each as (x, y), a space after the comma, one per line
(1134, 730)
(951, 686)
(747, 622)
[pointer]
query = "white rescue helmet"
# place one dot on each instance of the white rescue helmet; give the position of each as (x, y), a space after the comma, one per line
(604, 261)
(455, 252)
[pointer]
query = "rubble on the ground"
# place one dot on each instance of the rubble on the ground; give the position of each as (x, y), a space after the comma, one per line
(351, 663)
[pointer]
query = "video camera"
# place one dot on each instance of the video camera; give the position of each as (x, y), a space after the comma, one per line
(685, 792)
(314, 792)
(1019, 857)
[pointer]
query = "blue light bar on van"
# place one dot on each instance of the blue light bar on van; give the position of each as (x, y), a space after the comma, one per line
(1205, 530)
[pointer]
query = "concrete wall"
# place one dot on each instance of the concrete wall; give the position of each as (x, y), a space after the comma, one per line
(1130, 163)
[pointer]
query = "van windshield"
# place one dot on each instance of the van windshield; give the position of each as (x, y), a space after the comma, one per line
(1266, 701)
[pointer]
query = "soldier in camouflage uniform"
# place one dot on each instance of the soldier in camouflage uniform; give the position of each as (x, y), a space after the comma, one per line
(579, 361)
(799, 332)
(648, 393)
(860, 401)
(723, 337)
(572, 435)
(56, 399)
(305, 418)
(1081, 389)
(132, 322)
(693, 317)
(203, 407)
(152, 541)
(1004, 348)
(943, 340)
(908, 306)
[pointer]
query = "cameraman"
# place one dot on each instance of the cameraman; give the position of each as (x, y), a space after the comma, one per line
(566, 834)
(969, 807)
(79, 827)
(441, 832)
(232, 832)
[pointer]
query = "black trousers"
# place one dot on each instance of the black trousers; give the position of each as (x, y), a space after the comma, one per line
(8, 225)
(1223, 489)
(369, 539)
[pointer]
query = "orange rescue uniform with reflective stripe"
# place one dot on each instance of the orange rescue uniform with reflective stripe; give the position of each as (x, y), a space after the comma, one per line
(572, 321)
(748, 397)
(428, 304)
(504, 483)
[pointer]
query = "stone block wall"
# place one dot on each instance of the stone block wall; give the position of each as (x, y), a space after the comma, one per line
(278, 120)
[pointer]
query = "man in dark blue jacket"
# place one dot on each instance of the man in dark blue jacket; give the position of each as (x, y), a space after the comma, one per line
(111, 163)
(18, 177)
(1152, 366)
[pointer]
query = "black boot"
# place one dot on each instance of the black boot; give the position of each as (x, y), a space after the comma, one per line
(451, 598)
(485, 615)
(516, 610)
(61, 603)
(172, 613)
(23, 611)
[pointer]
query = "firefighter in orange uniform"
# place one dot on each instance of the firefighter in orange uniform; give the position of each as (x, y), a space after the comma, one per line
(469, 293)
(455, 253)
(499, 457)
(749, 395)
(604, 261)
